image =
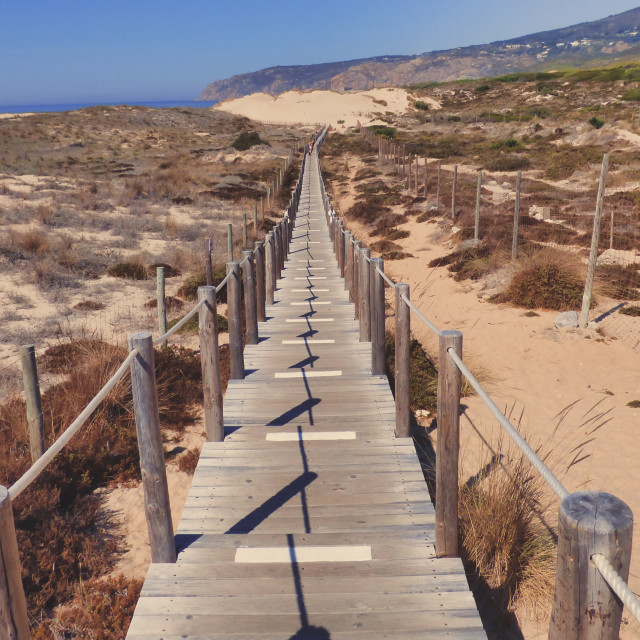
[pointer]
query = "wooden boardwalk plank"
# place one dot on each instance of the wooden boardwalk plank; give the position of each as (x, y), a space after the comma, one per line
(311, 520)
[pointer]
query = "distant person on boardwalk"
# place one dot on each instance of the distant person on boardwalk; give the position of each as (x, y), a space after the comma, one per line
(311, 147)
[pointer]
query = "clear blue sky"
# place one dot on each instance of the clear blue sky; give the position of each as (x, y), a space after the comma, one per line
(60, 51)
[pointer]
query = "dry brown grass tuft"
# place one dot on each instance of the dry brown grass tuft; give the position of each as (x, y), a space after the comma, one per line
(502, 534)
(32, 241)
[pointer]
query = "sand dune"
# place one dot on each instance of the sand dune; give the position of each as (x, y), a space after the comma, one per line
(338, 109)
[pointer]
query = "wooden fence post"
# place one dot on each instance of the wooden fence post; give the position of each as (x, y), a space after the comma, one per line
(516, 218)
(584, 606)
(438, 187)
(230, 242)
(250, 301)
(207, 261)
(262, 207)
(365, 309)
(245, 235)
(595, 240)
(377, 319)
(453, 192)
(476, 231)
(341, 246)
(410, 165)
(33, 401)
(402, 362)
(357, 255)
(14, 623)
(270, 268)
(279, 250)
(260, 280)
(154, 475)
(210, 364)
(162, 303)
(269, 198)
(449, 382)
(348, 272)
(255, 220)
(426, 180)
(234, 317)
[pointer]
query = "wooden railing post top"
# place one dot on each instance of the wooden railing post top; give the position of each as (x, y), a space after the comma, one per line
(450, 334)
(231, 266)
(247, 253)
(379, 262)
(366, 252)
(596, 511)
(27, 348)
(204, 290)
(139, 337)
(357, 244)
(4, 496)
(402, 289)
(258, 244)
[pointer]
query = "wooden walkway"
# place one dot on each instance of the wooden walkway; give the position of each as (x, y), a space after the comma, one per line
(311, 520)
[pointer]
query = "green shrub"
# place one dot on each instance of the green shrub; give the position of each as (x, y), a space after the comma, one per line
(508, 163)
(510, 143)
(421, 105)
(423, 374)
(189, 289)
(596, 122)
(129, 270)
(248, 139)
(482, 88)
(632, 94)
(383, 130)
(192, 324)
(454, 118)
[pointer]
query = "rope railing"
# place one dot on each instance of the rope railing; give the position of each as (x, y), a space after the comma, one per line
(519, 441)
(594, 545)
(178, 325)
(39, 466)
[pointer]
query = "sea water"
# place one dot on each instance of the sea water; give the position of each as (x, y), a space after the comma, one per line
(48, 108)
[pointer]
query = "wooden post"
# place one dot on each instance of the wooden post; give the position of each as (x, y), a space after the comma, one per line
(584, 606)
(14, 623)
(453, 192)
(341, 248)
(402, 362)
(210, 364)
(245, 237)
(262, 207)
(154, 476)
(476, 231)
(279, 257)
(611, 232)
(426, 176)
(438, 187)
(377, 318)
(365, 308)
(260, 281)
(357, 255)
(404, 161)
(449, 382)
(269, 198)
(516, 218)
(207, 262)
(595, 240)
(161, 300)
(230, 242)
(348, 270)
(270, 268)
(410, 163)
(250, 306)
(255, 220)
(234, 317)
(417, 176)
(32, 400)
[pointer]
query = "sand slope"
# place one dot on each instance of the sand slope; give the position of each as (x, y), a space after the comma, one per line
(315, 107)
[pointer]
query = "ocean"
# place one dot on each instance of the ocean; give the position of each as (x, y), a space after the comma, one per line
(48, 108)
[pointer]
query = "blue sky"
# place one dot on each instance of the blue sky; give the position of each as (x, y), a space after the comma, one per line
(60, 51)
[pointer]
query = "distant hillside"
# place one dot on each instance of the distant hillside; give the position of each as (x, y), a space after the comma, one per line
(603, 41)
